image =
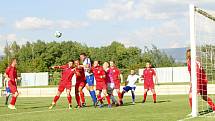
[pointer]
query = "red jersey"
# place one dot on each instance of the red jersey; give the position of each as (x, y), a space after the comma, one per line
(11, 73)
(67, 73)
(99, 74)
(80, 76)
(148, 75)
(200, 72)
(114, 73)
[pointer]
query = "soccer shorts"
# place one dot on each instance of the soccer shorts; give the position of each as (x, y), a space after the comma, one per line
(127, 88)
(110, 88)
(117, 86)
(12, 86)
(80, 84)
(90, 80)
(8, 90)
(64, 85)
(149, 86)
(101, 86)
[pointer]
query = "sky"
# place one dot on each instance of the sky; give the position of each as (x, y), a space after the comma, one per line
(164, 23)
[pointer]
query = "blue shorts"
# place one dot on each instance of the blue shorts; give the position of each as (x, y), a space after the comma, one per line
(7, 90)
(127, 88)
(90, 80)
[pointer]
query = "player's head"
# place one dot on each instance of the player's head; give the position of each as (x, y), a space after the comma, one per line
(105, 65)
(148, 65)
(70, 63)
(188, 54)
(13, 62)
(132, 72)
(96, 63)
(77, 63)
(112, 63)
(83, 56)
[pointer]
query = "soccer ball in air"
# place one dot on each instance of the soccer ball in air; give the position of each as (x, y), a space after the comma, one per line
(58, 34)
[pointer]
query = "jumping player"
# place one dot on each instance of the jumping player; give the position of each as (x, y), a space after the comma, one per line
(80, 84)
(131, 80)
(149, 75)
(65, 83)
(115, 74)
(89, 77)
(101, 84)
(8, 93)
(11, 73)
(201, 81)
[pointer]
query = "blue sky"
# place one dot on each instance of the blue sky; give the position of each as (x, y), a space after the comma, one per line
(140, 23)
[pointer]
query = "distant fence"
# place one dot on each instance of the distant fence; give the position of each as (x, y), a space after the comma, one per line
(171, 74)
(34, 79)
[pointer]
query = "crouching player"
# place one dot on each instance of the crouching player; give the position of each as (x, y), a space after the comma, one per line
(11, 73)
(80, 84)
(201, 82)
(149, 76)
(101, 85)
(131, 80)
(65, 83)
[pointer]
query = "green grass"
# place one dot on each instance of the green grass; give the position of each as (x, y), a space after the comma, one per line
(167, 108)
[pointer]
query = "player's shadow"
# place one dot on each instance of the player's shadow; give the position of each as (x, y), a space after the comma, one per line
(204, 112)
(163, 101)
(36, 107)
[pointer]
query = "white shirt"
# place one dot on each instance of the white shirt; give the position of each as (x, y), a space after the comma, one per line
(86, 62)
(6, 80)
(132, 79)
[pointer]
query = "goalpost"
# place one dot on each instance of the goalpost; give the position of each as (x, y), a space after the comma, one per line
(202, 44)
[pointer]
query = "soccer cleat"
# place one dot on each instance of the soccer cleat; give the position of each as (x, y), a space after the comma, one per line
(52, 106)
(109, 106)
(155, 102)
(143, 101)
(70, 106)
(133, 103)
(101, 105)
(84, 105)
(78, 106)
(12, 107)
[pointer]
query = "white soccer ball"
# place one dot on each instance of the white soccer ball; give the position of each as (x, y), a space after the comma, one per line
(58, 34)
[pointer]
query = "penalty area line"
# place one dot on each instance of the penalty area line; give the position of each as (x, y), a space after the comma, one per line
(31, 112)
(188, 118)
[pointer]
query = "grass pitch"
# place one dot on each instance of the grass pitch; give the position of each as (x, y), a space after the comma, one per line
(167, 108)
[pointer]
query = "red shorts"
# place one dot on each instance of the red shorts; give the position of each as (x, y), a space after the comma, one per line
(149, 86)
(116, 85)
(12, 86)
(101, 86)
(64, 85)
(201, 89)
(80, 84)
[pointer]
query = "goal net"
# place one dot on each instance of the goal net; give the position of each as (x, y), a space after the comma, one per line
(202, 36)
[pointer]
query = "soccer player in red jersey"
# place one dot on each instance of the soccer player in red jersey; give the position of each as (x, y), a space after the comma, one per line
(11, 73)
(201, 81)
(80, 84)
(149, 75)
(115, 75)
(101, 84)
(65, 83)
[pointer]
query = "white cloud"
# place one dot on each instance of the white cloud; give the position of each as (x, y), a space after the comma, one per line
(132, 9)
(168, 34)
(34, 23)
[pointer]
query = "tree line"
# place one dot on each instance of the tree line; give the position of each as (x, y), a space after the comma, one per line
(40, 55)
